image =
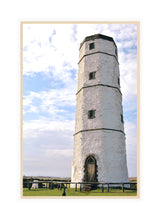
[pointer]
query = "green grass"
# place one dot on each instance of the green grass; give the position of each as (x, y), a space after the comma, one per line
(71, 192)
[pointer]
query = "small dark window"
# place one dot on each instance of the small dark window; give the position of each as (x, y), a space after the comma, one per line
(91, 114)
(118, 81)
(91, 46)
(92, 75)
(116, 51)
(122, 119)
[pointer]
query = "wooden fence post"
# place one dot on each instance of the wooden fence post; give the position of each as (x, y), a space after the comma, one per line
(76, 187)
(102, 188)
(108, 187)
(64, 193)
(30, 185)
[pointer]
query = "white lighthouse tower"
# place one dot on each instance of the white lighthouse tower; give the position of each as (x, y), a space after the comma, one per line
(99, 139)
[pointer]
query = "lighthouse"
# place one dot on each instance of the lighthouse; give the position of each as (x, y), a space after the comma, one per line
(99, 153)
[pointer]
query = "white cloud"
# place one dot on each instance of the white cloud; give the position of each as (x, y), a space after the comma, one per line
(59, 153)
(35, 127)
(48, 147)
(46, 50)
(52, 103)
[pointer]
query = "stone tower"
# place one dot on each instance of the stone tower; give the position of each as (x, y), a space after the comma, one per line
(99, 139)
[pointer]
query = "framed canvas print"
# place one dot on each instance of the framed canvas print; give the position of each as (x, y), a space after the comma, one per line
(80, 109)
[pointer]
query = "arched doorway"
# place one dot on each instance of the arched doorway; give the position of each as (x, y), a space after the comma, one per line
(90, 169)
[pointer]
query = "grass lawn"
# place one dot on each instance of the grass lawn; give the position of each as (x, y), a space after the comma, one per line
(71, 192)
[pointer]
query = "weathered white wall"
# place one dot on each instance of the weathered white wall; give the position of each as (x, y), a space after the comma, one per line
(103, 65)
(109, 150)
(100, 45)
(107, 103)
(108, 147)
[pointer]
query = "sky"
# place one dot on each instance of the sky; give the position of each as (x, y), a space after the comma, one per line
(50, 67)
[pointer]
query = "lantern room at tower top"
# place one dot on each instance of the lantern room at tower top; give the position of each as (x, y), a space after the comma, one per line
(99, 140)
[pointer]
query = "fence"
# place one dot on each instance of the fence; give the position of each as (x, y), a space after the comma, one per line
(80, 186)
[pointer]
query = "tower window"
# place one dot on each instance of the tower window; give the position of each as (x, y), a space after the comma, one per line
(118, 81)
(116, 51)
(91, 46)
(92, 75)
(122, 118)
(91, 114)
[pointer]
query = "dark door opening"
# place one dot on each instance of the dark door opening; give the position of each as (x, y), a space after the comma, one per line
(90, 170)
